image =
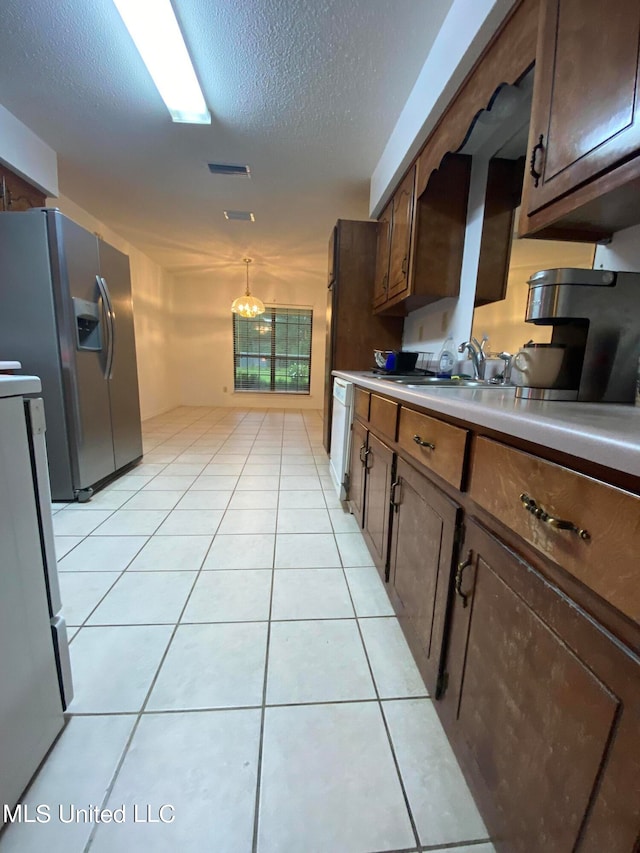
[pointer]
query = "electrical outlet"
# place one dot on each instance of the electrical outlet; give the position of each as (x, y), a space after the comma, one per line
(421, 332)
(224, 389)
(444, 323)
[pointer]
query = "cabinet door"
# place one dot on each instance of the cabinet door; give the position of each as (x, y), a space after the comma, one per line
(542, 708)
(379, 462)
(359, 435)
(421, 556)
(401, 236)
(585, 109)
(381, 281)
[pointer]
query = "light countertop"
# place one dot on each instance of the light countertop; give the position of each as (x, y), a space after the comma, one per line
(14, 386)
(608, 434)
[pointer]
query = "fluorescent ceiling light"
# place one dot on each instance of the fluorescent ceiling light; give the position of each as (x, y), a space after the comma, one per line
(240, 215)
(154, 29)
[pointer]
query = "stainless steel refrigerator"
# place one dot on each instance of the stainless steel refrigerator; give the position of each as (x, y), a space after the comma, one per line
(66, 314)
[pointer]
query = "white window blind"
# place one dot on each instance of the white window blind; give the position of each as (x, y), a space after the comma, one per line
(272, 352)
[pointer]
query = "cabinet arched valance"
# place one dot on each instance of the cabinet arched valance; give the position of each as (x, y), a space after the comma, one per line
(507, 59)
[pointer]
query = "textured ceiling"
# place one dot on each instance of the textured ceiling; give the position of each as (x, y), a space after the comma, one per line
(304, 91)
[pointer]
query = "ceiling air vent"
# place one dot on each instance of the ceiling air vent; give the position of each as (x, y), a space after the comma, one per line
(240, 215)
(234, 169)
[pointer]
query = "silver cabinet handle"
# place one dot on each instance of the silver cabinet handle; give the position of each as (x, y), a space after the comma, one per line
(422, 443)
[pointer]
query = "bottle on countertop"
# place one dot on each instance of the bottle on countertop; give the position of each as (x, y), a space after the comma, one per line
(448, 359)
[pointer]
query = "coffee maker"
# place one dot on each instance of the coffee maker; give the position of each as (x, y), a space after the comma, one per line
(595, 316)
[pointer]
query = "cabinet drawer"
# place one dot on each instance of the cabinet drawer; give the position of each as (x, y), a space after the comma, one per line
(604, 558)
(383, 416)
(446, 456)
(361, 404)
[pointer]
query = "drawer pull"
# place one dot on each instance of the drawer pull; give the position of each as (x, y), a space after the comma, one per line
(422, 443)
(560, 524)
(395, 503)
(363, 447)
(535, 174)
(458, 583)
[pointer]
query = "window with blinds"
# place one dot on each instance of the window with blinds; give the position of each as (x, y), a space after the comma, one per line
(272, 352)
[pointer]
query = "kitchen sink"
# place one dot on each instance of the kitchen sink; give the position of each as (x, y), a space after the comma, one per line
(439, 382)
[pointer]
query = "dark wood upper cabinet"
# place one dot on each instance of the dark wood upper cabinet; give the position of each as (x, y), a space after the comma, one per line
(381, 284)
(402, 219)
(394, 246)
(427, 238)
(542, 707)
(504, 189)
(331, 260)
(441, 219)
(584, 170)
(421, 555)
(17, 194)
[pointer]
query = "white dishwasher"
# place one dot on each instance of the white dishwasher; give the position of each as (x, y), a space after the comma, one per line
(341, 433)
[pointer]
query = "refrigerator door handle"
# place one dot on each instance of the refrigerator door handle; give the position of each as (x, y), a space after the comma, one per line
(112, 320)
(104, 293)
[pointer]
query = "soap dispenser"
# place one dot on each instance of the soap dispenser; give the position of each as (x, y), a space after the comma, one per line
(448, 359)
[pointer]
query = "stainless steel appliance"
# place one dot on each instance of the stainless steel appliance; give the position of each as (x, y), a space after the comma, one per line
(595, 316)
(341, 418)
(35, 680)
(67, 316)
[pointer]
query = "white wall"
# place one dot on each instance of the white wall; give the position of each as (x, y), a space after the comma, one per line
(204, 338)
(152, 290)
(503, 322)
(26, 154)
(622, 254)
(427, 328)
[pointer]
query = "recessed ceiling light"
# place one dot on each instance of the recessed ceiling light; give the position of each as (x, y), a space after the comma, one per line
(229, 169)
(241, 215)
(156, 33)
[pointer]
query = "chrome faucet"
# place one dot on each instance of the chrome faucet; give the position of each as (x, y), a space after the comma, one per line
(476, 354)
(508, 364)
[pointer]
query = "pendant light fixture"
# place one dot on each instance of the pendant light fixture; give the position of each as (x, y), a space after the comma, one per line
(247, 305)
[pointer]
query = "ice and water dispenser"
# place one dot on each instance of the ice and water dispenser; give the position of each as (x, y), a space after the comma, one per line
(87, 324)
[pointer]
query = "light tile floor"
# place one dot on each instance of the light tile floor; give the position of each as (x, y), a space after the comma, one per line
(235, 657)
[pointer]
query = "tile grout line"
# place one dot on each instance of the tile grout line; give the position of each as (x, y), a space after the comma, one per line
(396, 763)
(160, 711)
(256, 810)
(139, 715)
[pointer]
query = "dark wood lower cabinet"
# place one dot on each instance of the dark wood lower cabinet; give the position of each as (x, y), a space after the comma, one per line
(359, 436)
(542, 709)
(379, 466)
(421, 556)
